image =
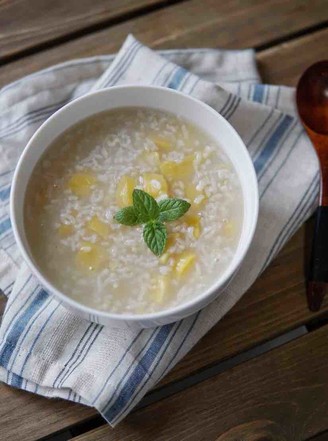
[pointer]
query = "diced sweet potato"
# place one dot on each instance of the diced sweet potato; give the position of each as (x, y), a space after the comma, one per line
(98, 226)
(90, 256)
(184, 262)
(80, 183)
(124, 191)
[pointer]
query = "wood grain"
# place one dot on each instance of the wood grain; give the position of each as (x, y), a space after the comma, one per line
(281, 396)
(28, 417)
(232, 24)
(285, 63)
(25, 24)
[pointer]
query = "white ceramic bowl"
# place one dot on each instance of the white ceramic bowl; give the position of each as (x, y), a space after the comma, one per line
(150, 97)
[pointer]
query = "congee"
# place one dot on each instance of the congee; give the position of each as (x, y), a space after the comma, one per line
(89, 173)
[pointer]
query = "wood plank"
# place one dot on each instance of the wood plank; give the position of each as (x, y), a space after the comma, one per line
(25, 24)
(285, 63)
(28, 417)
(280, 396)
(231, 24)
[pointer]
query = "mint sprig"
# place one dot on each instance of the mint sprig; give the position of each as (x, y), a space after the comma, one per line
(145, 210)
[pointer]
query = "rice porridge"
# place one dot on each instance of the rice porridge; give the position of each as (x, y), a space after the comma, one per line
(89, 173)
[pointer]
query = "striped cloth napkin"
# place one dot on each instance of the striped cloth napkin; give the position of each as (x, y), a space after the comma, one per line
(46, 349)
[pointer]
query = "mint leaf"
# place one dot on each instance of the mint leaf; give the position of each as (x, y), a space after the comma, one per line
(145, 205)
(155, 236)
(127, 216)
(172, 209)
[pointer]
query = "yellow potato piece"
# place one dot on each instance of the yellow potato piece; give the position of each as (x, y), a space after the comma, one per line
(171, 240)
(178, 170)
(65, 230)
(184, 262)
(90, 256)
(159, 289)
(98, 226)
(193, 220)
(155, 184)
(196, 197)
(151, 158)
(124, 191)
(81, 183)
(163, 144)
(229, 228)
(164, 258)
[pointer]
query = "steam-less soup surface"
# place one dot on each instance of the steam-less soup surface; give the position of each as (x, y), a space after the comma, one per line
(90, 172)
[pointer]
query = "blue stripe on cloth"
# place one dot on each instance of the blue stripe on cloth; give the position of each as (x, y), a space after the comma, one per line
(193, 86)
(227, 103)
(30, 117)
(7, 289)
(266, 130)
(272, 143)
(81, 358)
(229, 106)
(282, 164)
(4, 194)
(177, 78)
(117, 68)
(258, 93)
(181, 344)
(159, 72)
(6, 172)
(32, 346)
(168, 342)
(72, 358)
(16, 380)
(117, 365)
(139, 372)
(281, 147)
(259, 129)
(122, 67)
(26, 333)
(19, 325)
(12, 302)
(34, 120)
(229, 113)
(11, 244)
(289, 225)
(125, 375)
(5, 225)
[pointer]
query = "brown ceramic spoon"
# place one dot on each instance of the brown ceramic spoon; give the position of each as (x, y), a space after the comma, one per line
(312, 104)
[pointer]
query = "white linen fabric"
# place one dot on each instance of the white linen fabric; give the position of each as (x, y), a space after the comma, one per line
(48, 350)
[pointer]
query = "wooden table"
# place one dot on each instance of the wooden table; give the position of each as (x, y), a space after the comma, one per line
(261, 374)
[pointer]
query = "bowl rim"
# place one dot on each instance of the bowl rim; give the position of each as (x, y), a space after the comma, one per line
(179, 309)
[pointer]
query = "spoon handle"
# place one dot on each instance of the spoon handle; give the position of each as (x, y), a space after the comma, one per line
(318, 268)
